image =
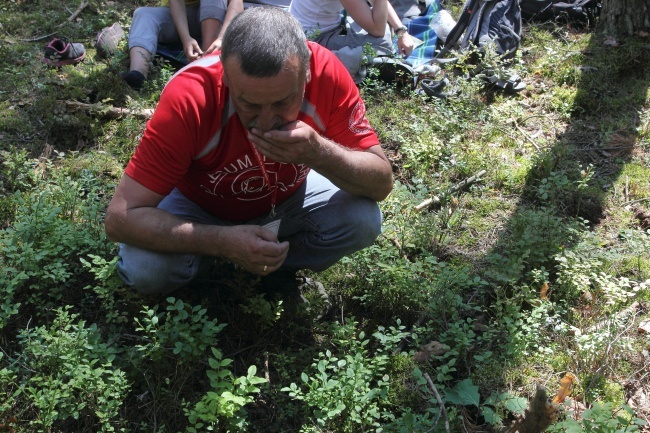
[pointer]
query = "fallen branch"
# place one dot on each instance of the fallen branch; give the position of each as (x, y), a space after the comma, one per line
(635, 201)
(527, 136)
(71, 18)
(443, 411)
(632, 309)
(76, 13)
(108, 110)
(37, 38)
(460, 185)
(397, 245)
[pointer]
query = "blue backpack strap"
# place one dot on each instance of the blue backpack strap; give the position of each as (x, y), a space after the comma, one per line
(455, 34)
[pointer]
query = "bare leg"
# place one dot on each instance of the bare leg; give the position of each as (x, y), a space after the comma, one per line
(209, 31)
(140, 60)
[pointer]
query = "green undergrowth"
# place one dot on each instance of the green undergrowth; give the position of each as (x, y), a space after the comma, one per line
(473, 296)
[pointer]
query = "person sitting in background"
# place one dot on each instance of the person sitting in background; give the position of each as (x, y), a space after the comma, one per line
(322, 22)
(187, 22)
(261, 155)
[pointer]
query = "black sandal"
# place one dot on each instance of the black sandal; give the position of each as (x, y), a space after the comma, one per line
(435, 88)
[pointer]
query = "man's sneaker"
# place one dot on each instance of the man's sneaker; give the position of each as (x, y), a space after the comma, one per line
(282, 284)
(60, 52)
(314, 294)
(108, 39)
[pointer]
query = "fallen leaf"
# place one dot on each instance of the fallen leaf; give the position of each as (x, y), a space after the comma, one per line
(566, 386)
(610, 42)
(7, 427)
(644, 326)
(638, 398)
(543, 293)
(642, 216)
(434, 348)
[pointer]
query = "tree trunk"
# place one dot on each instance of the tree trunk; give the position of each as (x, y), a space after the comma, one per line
(624, 17)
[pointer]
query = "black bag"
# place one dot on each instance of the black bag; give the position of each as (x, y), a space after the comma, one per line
(579, 11)
(484, 22)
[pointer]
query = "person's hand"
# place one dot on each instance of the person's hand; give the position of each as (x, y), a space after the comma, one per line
(405, 44)
(256, 249)
(294, 143)
(215, 46)
(192, 50)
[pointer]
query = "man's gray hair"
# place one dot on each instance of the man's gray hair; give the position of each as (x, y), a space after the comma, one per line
(263, 38)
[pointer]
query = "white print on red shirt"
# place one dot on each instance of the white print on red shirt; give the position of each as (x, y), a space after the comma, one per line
(358, 122)
(247, 180)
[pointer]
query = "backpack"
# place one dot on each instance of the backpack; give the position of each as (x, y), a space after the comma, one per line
(579, 11)
(484, 22)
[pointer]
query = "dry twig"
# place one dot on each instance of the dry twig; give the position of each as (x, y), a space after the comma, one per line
(71, 18)
(76, 13)
(107, 110)
(460, 185)
(443, 411)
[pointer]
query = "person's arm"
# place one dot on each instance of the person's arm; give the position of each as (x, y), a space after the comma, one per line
(191, 47)
(234, 8)
(405, 43)
(366, 173)
(133, 218)
(373, 20)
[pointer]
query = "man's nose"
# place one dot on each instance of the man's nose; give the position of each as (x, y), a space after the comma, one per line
(267, 119)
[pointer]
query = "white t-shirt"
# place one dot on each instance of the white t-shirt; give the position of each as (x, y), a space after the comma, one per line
(317, 14)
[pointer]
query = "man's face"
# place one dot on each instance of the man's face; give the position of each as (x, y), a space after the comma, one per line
(266, 103)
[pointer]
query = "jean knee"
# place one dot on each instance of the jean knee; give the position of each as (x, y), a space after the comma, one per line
(140, 15)
(152, 273)
(365, 220)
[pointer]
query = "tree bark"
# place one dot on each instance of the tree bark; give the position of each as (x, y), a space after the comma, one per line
(624, 17)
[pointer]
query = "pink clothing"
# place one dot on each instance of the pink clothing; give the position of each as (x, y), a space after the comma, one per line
(196, 142)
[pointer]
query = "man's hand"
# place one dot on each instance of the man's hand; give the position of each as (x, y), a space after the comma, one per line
(366, 173)
(295, 143)
(192, 49)
(133, 218)
(255, 249)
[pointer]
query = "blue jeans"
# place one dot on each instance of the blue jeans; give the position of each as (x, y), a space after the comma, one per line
(154, 25)
(321, 223)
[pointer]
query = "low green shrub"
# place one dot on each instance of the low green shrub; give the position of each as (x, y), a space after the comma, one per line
(222, 408)
(601, 418)
(182, 331)
(348, 392)
(65, 372)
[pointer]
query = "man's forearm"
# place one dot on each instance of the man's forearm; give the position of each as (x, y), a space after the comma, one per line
(366, 173)
(157, 230)
(252, 247)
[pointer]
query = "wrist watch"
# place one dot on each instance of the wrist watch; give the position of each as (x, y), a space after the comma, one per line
(400, 30)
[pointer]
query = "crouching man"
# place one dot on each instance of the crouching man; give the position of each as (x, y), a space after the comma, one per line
(260, 154)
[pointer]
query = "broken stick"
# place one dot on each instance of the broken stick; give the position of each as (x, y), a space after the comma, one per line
(107, 110)
(460, 185)
(76, 13)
